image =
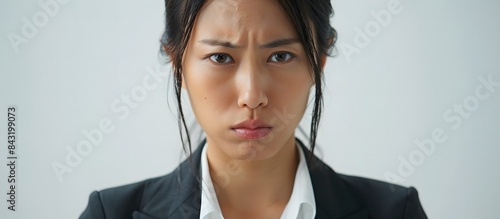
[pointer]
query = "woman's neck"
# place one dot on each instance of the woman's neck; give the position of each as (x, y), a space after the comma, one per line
(255, 185)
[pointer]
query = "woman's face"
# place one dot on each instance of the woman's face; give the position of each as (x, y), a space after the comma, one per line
(247, 77)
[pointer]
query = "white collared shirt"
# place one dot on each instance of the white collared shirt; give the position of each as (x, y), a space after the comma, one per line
(301, 204)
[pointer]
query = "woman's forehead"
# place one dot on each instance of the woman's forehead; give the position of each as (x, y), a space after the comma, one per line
(238, 19)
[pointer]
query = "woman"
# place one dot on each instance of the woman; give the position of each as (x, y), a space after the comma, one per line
(248, 68)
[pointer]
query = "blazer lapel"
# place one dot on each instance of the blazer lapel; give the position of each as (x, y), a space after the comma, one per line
(334, 200)
(176, 195)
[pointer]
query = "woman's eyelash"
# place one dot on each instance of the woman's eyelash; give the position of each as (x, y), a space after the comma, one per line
(220, 58)
(224, 58)
(283, 56)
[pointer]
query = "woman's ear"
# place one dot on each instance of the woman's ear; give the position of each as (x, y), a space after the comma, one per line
(324, 56)
(183, 81)
(168, 53)
(171, 57)
(323, 61)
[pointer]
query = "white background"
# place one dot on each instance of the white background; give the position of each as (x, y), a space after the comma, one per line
(428, 57)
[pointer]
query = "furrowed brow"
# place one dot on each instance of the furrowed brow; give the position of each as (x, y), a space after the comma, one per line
(212, 42)
(272, 44)
(280, 42)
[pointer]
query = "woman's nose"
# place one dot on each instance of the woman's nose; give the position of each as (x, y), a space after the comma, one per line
(252, 82)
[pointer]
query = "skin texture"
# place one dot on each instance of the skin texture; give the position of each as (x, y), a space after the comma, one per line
(233, 72)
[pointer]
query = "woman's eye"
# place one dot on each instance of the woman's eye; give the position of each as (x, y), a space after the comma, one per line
(280, 57)
(221, 58)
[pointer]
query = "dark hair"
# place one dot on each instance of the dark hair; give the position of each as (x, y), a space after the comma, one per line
(311, 19)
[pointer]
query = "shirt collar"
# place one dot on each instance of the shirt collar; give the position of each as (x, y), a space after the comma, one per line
(301, 204)
(210, 208)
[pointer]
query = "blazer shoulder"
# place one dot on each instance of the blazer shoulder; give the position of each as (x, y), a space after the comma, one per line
(121, 201)
(157, 197)
(386, 200)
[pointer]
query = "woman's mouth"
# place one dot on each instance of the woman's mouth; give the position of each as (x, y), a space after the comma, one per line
(252, 129)
(255, 133)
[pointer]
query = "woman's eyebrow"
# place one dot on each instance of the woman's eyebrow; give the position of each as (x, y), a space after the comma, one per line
(213, 42)
(280, 42)
(272, 44)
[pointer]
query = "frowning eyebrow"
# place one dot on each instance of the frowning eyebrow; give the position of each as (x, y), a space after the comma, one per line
(272, 44)
(211, 42)
(281, 42)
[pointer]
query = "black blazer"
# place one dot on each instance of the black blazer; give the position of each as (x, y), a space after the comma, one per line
(178, 196)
